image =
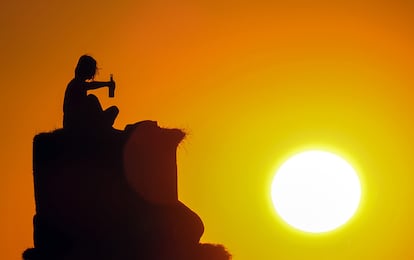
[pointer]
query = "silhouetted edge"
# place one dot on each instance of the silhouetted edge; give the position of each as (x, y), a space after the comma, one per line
(87, 209)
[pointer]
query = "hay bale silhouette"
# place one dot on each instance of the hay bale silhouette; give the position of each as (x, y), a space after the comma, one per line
(112, 195)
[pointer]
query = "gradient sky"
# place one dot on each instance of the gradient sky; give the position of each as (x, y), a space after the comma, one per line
(251, 82)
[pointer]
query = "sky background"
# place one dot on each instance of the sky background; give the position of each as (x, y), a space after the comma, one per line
(251, 82)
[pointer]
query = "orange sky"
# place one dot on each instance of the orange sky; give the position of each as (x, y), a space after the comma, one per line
(251, 82)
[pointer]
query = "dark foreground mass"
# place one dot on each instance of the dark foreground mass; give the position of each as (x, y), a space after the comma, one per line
(113, 195)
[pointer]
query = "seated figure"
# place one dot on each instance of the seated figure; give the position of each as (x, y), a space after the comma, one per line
(83, 111)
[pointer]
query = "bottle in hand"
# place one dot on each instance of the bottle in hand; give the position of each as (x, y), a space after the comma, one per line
(111, 88)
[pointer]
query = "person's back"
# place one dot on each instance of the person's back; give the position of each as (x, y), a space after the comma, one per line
(74, 104)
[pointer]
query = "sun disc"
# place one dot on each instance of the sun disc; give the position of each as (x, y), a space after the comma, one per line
(316, 191)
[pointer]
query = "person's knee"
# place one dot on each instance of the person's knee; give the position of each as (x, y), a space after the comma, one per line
(110, 114)
(92, 98)
(113, 110)
(93, 103)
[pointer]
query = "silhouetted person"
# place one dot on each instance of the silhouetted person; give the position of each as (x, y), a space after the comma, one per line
(83, 111)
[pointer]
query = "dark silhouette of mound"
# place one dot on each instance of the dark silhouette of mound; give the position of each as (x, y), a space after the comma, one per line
(112, 194)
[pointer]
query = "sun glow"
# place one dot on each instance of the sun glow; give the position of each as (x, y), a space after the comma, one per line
(316, 191)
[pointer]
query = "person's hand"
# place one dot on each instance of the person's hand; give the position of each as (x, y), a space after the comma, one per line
(112, 84)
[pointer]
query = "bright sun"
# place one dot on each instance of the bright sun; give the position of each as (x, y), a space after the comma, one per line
(316, 191)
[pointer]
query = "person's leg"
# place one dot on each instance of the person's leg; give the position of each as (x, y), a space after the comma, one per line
(93, 104)
(110, 115)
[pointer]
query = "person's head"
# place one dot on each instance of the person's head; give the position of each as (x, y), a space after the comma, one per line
(86, 68)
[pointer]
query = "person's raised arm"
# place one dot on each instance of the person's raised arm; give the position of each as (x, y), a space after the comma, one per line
(99, 84)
